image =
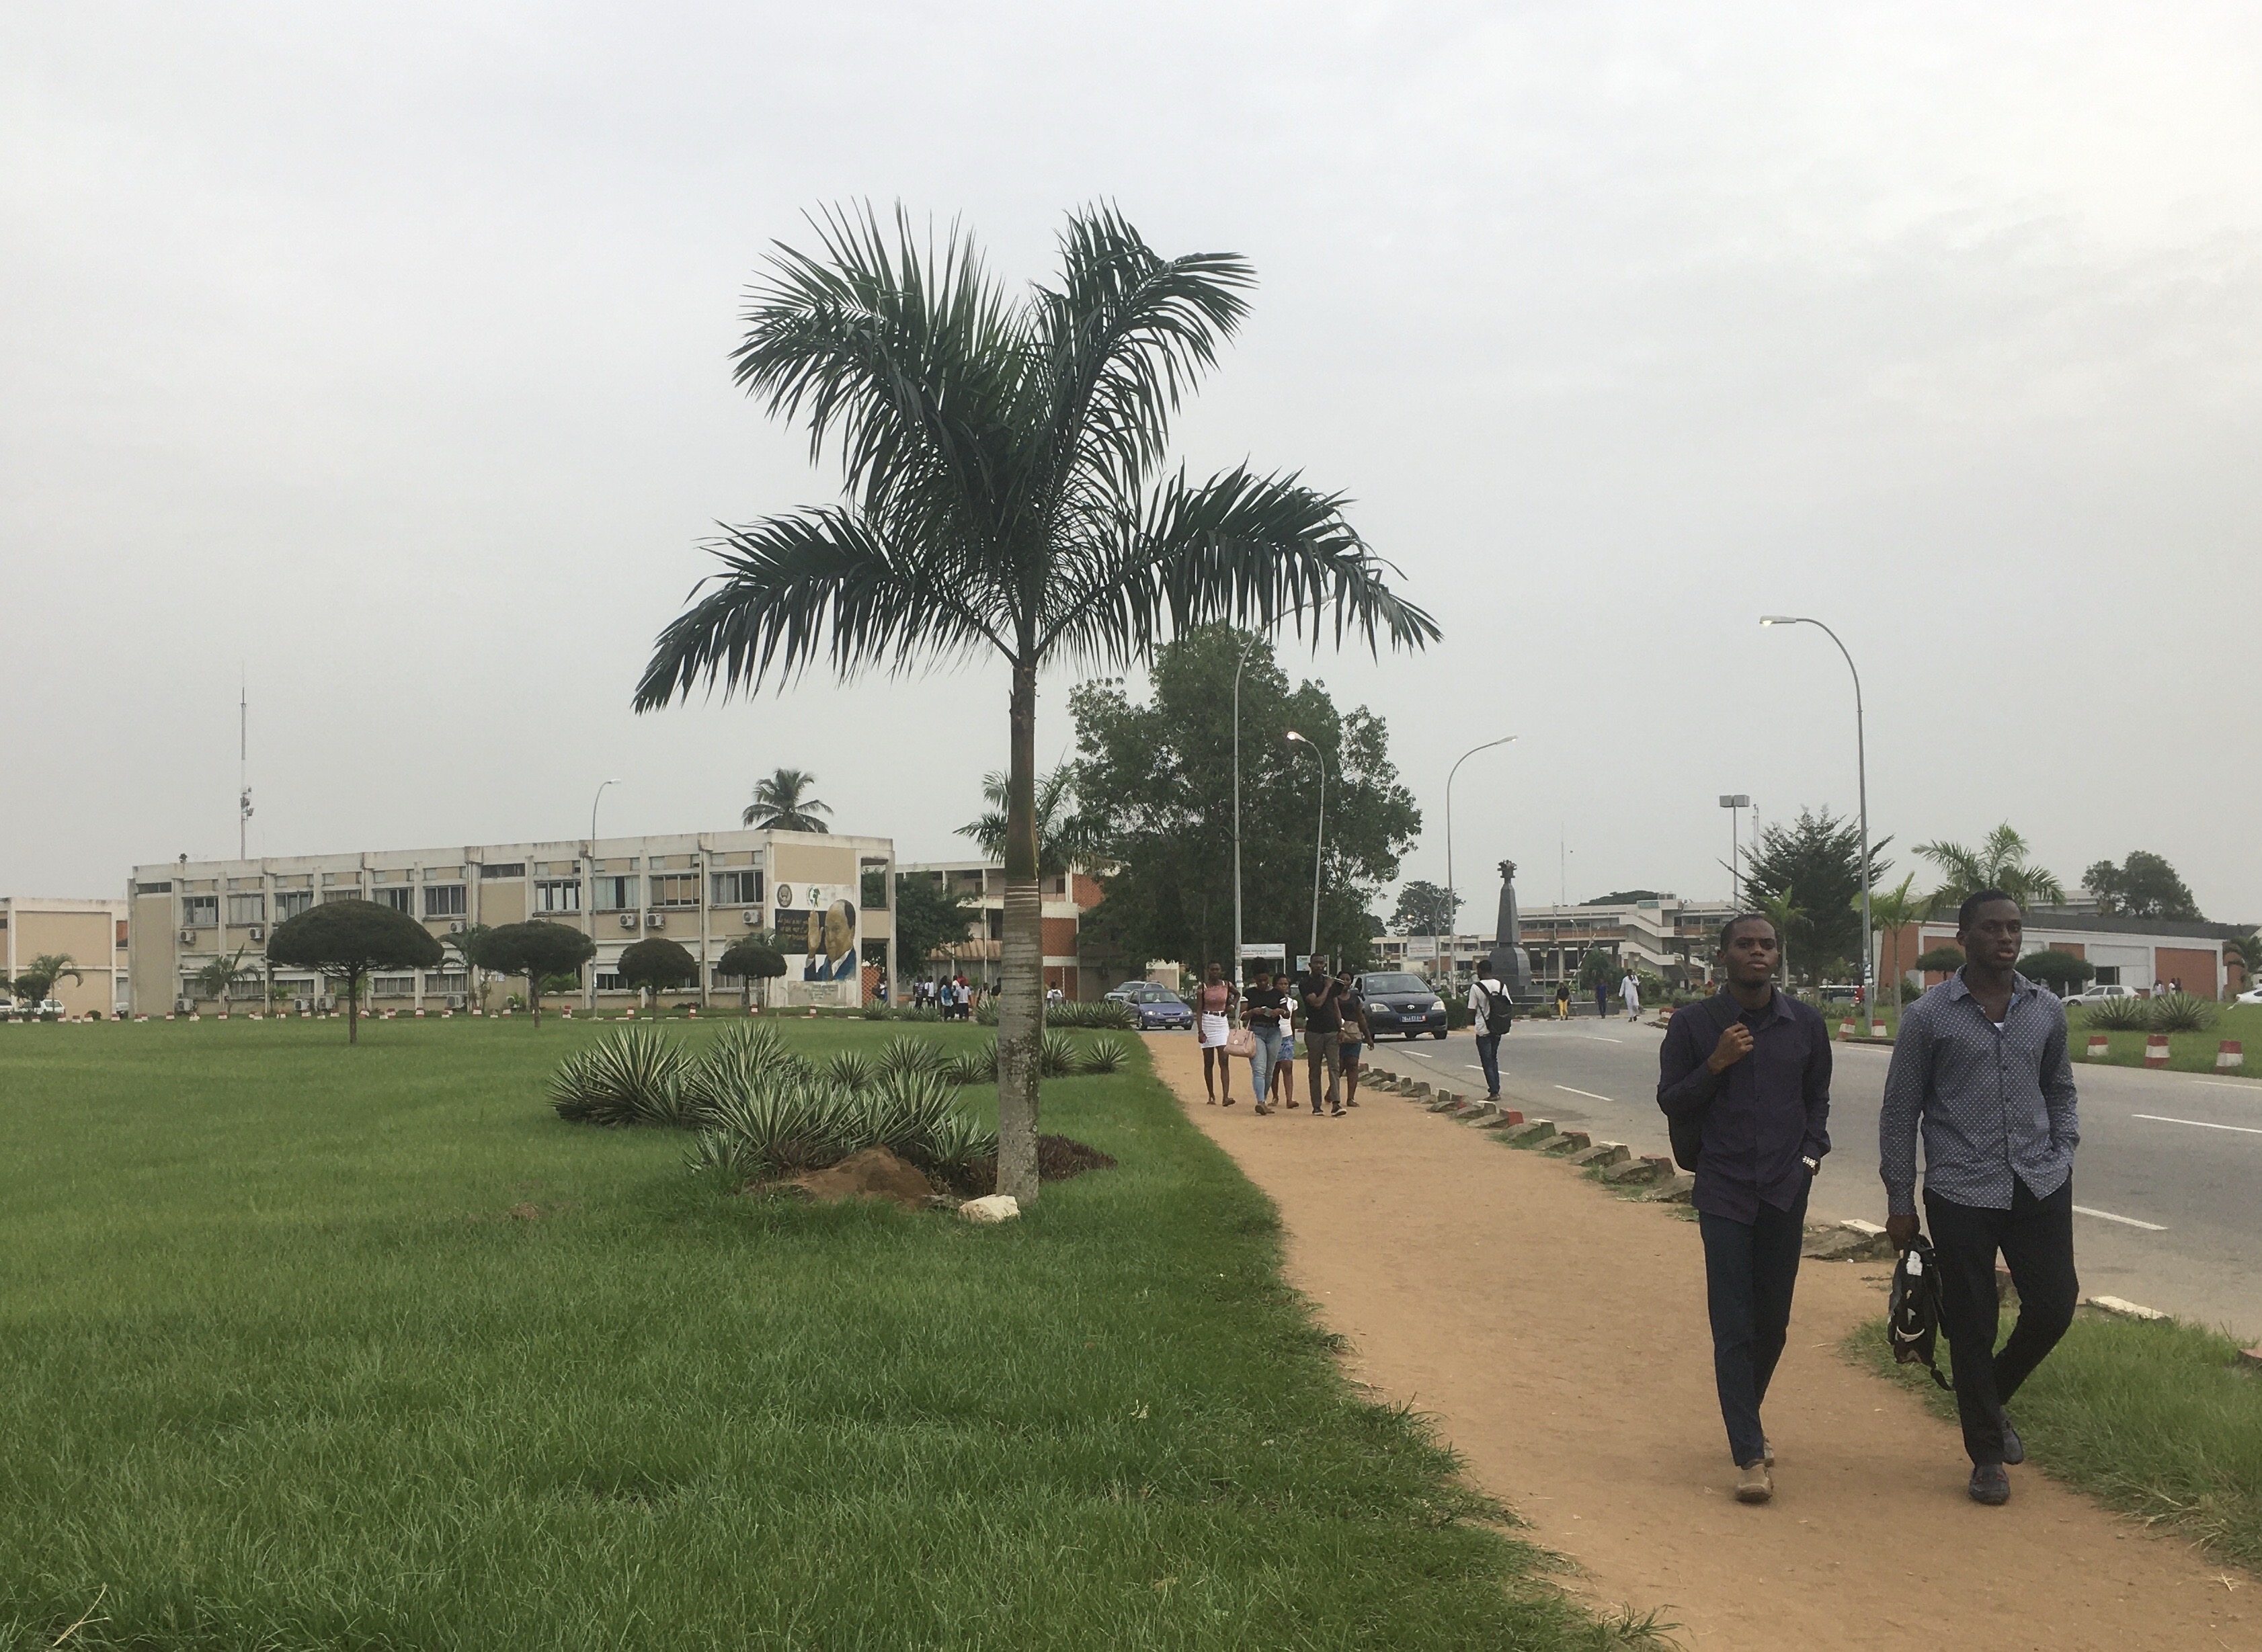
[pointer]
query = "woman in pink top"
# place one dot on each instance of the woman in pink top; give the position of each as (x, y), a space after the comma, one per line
(1212, 1020)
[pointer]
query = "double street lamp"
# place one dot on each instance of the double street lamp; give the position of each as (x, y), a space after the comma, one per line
(1862, 780)
(1319, 836)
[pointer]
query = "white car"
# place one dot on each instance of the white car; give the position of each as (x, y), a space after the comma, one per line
(2095, 994)
(2251, 995)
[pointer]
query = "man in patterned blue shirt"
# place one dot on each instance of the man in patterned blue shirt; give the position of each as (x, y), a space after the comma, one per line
(1981, 1062)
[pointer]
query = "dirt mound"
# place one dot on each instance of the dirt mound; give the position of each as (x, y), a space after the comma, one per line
(873, 1174)
(1058, 1158)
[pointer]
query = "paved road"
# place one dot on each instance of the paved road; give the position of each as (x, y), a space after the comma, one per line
(2169, 1179)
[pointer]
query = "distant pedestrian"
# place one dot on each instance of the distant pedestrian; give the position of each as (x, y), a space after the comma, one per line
(1318, 992)
(2159, 987)
(1981, 1064)
(1357, 1034)
(1213, 1020)
(1263, 1008)
(1563, 1001)
(1602, 1001)
(1491, 1013)
(1749, 1069)
(1630, 989)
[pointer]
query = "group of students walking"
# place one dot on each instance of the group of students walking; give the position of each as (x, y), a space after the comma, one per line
(1260, 1026)
(1980, 1069)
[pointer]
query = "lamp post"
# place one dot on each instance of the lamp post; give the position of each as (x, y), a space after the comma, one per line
(1452, 895)
(1319, 836)
(1733, 802)
(1861, 782)
(1246, 650)
(592, 814)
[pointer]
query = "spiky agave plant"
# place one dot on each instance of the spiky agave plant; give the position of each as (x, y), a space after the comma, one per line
(785, 1122)
(908, 1108)
(1105, 1055)
(956, 1141)
(906, 1054)
(635, 1075)
(851, 1070)
(978, 1066)
(2179, 1012)
(1055, 1056)
(2117, 1014)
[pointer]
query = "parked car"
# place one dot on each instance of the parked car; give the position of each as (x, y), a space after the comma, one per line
(1155, 1006)
(2094, 994)
(2251, 995)
(1398, 1001)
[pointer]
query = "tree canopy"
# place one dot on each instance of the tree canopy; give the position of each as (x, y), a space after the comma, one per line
(2060, 972)
(344, 940)
(1065, 839)
(1424, 908)
(2003, 861)
(41, 975)
(928, 916)
(535, 950)
(1159, 776)
(656, 963)
(1600, 968)
(2145, 886)
(1819, 856)
(780, 805)
(1945, 959)
(1623, 897)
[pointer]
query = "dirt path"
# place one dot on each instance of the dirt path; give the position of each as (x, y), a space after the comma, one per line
(1558, 1335)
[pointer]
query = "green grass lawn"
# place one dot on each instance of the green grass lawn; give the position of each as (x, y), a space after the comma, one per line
(2187, 1051)
(281, 1368)
(2155, 1419)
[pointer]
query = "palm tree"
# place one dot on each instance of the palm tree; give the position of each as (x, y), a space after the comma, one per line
(1065, 840)
(1891, 911)
(2249, 954)
(222, 976)
(779, 807)
(2000, 862)
(1784, 915)
(39, 976)
(1006, 496)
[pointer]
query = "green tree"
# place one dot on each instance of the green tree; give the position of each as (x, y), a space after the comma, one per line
(779, 807)
(1890, 912)
(750, 959)
(537, 950)
(1945, 959)
(1424, 908)
(1623, 897)
(655, 964)
(1820, 856)
(2004, 861)
(2060, 972)
(1160, 775)
(40, 977)
(465, 943)
(2248, 951)
(1007, 497)
(2145, 886)
(1786, 918)
(345, 940)
(222, 976)
(1065, 839)
(928, 916)
(1600, 969)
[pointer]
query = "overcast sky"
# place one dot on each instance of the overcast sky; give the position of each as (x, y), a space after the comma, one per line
(378, 354)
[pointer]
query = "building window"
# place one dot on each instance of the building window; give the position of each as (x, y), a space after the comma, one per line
(393, 986)
(505, 869)
(289, 903)
(608, 981)
(2108, 975)
(1059, 884)
(738, 889)
(559, 896)
(444, 899)
(444, 985)
(398, 899)
(153, 889)
(199, 911)
(680, 889)
(725, 983)
(612, 893)
(247, 908)
(122, 932)
(349, 893)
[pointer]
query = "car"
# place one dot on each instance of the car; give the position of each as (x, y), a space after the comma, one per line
(1155, 1006)
(1401, 1001)
(2251, 995)
(2099, 993)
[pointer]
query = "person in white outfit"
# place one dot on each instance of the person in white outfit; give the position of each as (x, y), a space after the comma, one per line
(1629, 990)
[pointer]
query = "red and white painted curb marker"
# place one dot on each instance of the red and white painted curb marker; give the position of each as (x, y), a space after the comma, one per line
(2229, 1054)
(2099, 1046)
(1846, 1028)
(2156, 1050)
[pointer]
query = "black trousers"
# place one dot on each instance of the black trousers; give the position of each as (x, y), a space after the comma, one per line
(2036, 1237)
(1750, 1268)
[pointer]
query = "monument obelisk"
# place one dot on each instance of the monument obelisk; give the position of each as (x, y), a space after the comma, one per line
(1508, 963)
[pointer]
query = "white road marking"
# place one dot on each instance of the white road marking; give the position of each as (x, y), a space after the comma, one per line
(2199, 1123)
(2228, 1084)
(2126, 1221)
(1590, 1095)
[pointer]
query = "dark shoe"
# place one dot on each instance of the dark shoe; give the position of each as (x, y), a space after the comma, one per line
(1229, 1101)
(2014, 1450)
(1334, 1113)
(1990, 1485)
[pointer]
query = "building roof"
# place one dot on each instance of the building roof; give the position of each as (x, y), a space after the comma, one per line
(2042, 917)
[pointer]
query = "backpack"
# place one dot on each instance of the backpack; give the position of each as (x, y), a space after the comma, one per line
(1687, 1133)
(1913, 1316)
(1499, 1012)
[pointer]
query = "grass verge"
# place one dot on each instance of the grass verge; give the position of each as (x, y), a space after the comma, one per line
(2153, 1418)
(2187, 1051)
(310, 1347)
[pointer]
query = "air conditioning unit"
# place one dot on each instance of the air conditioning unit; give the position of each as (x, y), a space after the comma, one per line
(455, 926)
(655, 921)
(187, 937)
(259, 932)
(628, 920)
(754, 918)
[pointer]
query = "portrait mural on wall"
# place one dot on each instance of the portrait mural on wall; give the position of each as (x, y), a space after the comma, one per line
(814, 926)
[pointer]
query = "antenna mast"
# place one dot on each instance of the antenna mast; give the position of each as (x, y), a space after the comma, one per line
(243, 772)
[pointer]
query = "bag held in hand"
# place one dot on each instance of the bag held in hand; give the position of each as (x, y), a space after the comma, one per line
(1912, 1318)
(1241, 1042)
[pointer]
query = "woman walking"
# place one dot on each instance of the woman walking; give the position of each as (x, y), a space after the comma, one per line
(1212, 1020)
(1263, 1008)
(1284, 1069)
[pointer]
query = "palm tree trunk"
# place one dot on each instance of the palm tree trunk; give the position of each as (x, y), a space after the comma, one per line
(1021, 1002)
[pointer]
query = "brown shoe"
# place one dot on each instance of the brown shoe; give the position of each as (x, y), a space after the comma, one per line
(1756, 1484)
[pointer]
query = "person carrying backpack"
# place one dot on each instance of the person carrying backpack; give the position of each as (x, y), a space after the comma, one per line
(1490, 1013)
(1744, 1081)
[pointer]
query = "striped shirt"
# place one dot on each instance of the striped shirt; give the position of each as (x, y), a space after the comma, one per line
(1993, 1105)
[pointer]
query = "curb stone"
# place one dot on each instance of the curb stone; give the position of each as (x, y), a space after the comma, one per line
(1680, 1190)
(2122, 1309)
(1635, 1173)
(1530, 1133)
(1570, 1141)
(1602, 1153)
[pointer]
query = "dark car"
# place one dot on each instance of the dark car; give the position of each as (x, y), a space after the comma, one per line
(1155, 1006)
(1398, 1001)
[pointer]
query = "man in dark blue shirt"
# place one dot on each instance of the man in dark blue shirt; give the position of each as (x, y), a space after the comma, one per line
(1750, 1068)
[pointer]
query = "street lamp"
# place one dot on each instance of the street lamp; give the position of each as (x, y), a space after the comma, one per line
(1452, 895)
(1861, 781)
(1733, 802)
(592, 814)
(1249, 649)
(1319, 836)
